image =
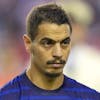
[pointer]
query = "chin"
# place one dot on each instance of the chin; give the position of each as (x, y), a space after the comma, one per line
(52, 75)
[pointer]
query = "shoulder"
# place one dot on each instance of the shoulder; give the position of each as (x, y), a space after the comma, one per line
(80, 89)
(11, 89)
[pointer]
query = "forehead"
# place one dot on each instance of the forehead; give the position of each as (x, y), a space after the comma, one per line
(53, 31)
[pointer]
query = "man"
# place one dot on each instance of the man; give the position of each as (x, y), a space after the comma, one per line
(48, 41)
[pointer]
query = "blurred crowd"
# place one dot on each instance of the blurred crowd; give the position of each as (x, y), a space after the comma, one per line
(84, 61)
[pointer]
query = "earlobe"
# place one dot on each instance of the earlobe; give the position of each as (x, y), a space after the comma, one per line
(27, 42)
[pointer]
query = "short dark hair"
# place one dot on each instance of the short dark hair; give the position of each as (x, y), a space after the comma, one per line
(46, 13)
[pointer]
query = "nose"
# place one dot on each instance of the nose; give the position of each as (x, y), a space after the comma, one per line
(57, 51)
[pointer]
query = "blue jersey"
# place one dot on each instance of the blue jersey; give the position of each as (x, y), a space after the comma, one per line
(21, 88)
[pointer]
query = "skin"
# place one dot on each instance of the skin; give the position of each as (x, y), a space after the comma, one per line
(52, 43)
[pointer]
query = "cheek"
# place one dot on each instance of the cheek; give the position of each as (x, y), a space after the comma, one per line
(40, 55)
(67, 52)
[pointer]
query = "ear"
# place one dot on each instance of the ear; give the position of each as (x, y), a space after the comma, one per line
(27, 42)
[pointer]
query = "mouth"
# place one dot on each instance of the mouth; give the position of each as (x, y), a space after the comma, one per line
(57, 65)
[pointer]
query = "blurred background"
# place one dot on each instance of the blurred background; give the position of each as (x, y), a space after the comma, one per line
(84, 61)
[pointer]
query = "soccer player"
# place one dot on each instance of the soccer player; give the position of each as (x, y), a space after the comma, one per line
(48, 42)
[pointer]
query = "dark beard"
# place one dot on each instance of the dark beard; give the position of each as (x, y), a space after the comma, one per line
(53, 75)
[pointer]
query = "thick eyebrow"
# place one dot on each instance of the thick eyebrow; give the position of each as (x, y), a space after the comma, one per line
(67, 38)
(46, 38)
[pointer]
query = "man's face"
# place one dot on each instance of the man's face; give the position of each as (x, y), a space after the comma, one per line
(50, 48)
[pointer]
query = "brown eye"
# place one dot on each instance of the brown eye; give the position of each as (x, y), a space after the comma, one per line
(65, 42)
(47, 43)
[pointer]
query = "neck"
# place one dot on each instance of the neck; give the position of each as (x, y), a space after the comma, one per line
(43, 81)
